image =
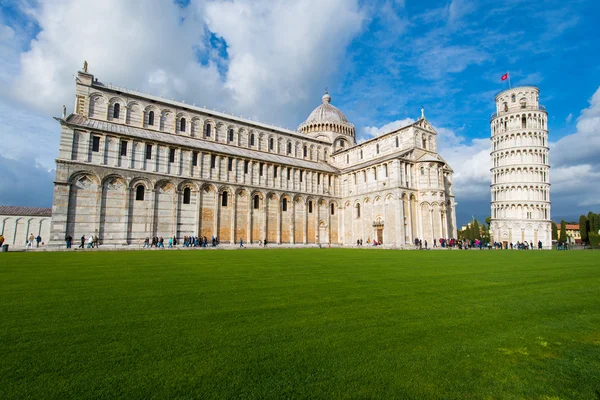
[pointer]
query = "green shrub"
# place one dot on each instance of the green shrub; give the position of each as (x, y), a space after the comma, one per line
(594, 239)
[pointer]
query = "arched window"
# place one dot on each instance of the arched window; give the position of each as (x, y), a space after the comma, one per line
(425, 143)
(289, 149)
(377, 146)
(347, 158)
(513, 98)
(116, 110)
(256, 202)
(523, 122)
(397, 142)
(305, 151)
(224, 199)
(422, 171)
(284, 204)
(187, 195)
(207, 129)
(361, 154)
(310, 207)
(523, 103)
(182, 124)
(139, 192)
(252, 139)
(505, 106)
(230, 138)
(385, 170)
(151, 118)
(332, 209)
(341, 143)
(271, 143)
(357, 210)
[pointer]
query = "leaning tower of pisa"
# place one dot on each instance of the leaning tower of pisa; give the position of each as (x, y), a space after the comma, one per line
(520, 169)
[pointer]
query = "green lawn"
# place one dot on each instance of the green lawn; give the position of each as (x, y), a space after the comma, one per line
(329, 323)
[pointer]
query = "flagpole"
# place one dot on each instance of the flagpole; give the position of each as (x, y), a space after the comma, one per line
(509, 85)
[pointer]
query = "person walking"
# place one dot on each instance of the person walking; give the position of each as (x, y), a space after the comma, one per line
(82, 245)
(30, 241)
(241, 243)
(69, 240)
(170, 242)
(265, 243)
(38, 239)
(90, 242)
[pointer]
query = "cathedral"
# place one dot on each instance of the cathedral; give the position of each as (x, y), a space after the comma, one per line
(133, 165)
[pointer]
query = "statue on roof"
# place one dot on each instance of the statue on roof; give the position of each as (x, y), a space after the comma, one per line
(85, 66)
(422, 112)
(64, 114)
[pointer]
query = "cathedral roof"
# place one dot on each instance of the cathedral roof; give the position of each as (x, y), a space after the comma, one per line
(26, 211)
(326, 112)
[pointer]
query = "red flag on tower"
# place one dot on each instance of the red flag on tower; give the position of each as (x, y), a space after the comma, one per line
(504, 77)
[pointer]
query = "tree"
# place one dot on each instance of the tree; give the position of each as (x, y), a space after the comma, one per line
(594, 240)
(583, 228)
(488, 221)
(593, 222)
(554, 231)
(563, 232)
(476, 232)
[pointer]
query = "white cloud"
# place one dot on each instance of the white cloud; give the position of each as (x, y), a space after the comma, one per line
(372, 131)
(583, 146)
(281, 52)
(569, 118)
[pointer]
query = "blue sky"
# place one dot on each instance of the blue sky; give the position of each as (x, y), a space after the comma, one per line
(271, 60)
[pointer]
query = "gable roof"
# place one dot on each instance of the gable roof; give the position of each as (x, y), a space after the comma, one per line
(26, 211)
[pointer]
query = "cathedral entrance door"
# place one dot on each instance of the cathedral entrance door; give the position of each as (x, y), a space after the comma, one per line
(380, 235)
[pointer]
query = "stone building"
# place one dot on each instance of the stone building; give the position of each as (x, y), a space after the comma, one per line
(520, 169)
(133, 165)
(17, 223)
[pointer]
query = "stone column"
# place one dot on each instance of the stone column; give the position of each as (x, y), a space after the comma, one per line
(249, 229)
(293, 225)
(126, 216)
(156, 158)
(410, 220)
(419, 213)
(217, 213)
(99, 195)
(153, 211)
(400, 236)
(15, 231)
(104, 150)
(176, 211)
(265, 216)
(198, 212)
(342, 228)
(233, 216)
(305, 227)
(279, 221)
(317, 227)
(179, 161)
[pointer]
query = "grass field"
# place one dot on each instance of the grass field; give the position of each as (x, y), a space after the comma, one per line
(330, 323)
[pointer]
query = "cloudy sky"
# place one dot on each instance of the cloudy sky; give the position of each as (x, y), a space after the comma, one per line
(271, 60)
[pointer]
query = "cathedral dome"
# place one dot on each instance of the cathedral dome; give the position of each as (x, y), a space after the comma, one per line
(327, 118)
(326, 112)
